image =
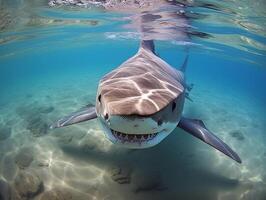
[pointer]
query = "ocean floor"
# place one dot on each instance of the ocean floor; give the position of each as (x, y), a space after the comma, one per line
(78, 162)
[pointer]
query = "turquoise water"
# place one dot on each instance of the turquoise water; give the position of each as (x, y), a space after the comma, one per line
(51, 59)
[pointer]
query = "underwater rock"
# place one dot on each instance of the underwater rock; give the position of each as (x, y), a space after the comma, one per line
(149, 182)
(46, 110)
(120, 176)
(28, 184)
(36, 123)
(24, 158)
(37, 126)
(9, 168)
(237, 134)
(4, 190)
(5, 132)
(56, 194)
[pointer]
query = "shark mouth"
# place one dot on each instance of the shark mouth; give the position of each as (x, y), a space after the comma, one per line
(133, 138)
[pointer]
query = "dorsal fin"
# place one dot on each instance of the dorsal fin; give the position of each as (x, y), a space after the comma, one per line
(184, 66)
(147, 45)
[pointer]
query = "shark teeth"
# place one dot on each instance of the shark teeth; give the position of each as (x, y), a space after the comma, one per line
(133, 137)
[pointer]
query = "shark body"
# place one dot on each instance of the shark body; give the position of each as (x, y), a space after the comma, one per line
(141, 102)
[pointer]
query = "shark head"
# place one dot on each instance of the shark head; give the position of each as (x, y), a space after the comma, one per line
(141, 131)
(141, 102)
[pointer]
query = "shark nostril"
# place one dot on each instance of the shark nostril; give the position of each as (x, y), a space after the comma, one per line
(106, 116)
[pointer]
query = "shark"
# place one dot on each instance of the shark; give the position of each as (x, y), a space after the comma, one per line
(141, 102)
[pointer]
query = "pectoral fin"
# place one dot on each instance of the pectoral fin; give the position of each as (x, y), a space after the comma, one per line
(81, 115)
(198, 129)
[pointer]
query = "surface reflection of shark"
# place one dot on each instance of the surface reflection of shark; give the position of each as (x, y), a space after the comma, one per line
(141, 102)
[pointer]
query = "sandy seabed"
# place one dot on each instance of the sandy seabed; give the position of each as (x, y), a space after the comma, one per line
(78, 162)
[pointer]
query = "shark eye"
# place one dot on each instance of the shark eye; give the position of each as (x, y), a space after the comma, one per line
(173, 106)
(159, 122)
(99, 98)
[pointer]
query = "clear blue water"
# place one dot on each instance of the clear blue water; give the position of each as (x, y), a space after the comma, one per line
(51, 59)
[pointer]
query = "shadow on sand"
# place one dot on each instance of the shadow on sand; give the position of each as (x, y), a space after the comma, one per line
(174, 169)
